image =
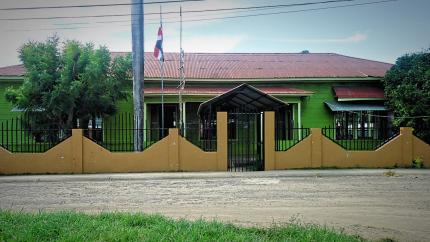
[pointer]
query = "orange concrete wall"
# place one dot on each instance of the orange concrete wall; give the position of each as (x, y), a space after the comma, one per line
(318, 151)
(192, 158)
(59, 159)
(298, 156)
(421, 150)
(97, 159)
(389, 155)
(79, 154)
(269, 141)
(55, 160)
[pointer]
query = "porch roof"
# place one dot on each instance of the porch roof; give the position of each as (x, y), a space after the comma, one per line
(359, 92)
(243, 96)
(339, 107)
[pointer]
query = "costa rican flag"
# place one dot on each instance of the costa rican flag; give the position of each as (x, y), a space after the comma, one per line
(158, 49)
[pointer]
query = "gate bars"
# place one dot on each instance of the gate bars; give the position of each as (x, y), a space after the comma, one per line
(245, 142)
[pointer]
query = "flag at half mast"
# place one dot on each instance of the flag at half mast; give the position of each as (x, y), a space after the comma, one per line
(158, 49)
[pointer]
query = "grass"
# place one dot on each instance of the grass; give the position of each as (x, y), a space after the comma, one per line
(72, 226)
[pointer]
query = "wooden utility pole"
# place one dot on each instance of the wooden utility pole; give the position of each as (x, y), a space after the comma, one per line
(138, 70)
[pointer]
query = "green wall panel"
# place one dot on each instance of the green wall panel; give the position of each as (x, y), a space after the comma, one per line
(314, 112)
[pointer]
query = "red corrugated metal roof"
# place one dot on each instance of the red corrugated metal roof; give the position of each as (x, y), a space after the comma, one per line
(254, 65)
(16, 70)
(359, 92)
(220, 90)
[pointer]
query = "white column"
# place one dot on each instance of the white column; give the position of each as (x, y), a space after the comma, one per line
(184, 118)
(299, 118)
(145, 110)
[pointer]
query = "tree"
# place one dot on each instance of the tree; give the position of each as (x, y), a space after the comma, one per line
(407, 88)
(62, 85)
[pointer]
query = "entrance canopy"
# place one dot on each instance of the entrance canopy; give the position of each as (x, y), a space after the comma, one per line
(244, 97)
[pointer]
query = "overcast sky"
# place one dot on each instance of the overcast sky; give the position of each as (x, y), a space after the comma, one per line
(382, 31)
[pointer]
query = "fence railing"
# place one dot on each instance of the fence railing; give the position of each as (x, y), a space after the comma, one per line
(122, 139)
(287, 138)
(117, 133)
(201, 134)
(20, 135)
(360, 138)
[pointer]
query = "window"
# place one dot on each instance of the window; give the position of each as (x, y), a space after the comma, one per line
(208, 129)
(97, 125)
(360, 124)
(231, 124)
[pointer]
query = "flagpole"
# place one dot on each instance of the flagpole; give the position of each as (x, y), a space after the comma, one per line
(181, 79)
(162, 81)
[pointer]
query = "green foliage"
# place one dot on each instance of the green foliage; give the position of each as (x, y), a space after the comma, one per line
(418, 163)
(407, 88)
(70, 226)
(69, 82)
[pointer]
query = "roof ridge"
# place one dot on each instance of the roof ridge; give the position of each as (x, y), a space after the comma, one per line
(359, 58)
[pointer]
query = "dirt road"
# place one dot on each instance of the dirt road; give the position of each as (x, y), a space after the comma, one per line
(365, 202)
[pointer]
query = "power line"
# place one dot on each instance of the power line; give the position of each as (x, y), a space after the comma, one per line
(231, 10)
(209, 19)
(176, 12)
(388, 116)
(94, 5)
(238, 10)
(286, 12)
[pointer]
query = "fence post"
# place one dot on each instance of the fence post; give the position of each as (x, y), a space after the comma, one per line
(317, 149)
(77, 151)
(269, 141)
(173, 149)
(221, 134)
(407, 148)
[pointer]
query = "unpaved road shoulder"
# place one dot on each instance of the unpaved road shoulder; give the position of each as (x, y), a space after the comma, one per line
(360, 201)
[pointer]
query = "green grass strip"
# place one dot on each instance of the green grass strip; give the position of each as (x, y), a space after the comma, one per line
(72, 226)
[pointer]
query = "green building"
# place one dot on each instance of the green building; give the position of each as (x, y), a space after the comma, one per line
(320, 89)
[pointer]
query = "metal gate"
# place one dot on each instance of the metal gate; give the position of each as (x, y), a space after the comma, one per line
(245, 142)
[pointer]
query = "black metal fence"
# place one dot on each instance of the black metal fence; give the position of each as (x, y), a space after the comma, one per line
(421, 130)
(22, 135)
(360, 138)
(202, 134)
(286, 138)
(117, 134)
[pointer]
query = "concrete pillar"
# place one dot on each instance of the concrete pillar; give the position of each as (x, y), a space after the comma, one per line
(77, 151)
(173, 149)
(222, 139)
(407, 146)
(316, 148)
(269, 141)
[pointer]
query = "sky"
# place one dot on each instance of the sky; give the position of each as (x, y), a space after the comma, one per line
(381, 31)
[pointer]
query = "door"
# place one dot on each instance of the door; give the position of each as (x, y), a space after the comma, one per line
(245, 142)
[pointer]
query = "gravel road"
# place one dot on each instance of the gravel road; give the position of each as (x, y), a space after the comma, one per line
(364, 202)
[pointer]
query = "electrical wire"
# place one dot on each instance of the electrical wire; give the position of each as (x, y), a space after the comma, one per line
(388, 116)
(221, 18)
(95, 5)
(176, 12)
(231, 11)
